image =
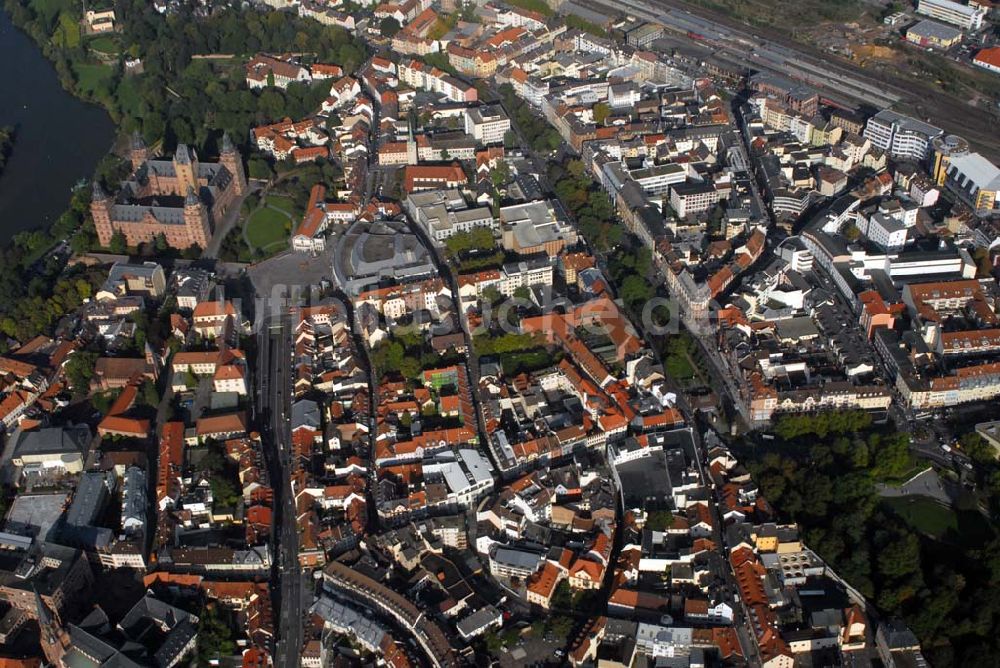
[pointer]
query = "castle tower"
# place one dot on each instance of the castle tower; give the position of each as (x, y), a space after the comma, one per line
(196, 220)
(53, 636)
(411, 146)
(139, 152)
(231, 160)
(100, 210)
(186, 168)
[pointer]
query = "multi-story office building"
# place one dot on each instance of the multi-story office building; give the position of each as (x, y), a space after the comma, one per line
(901, 136)
(488, 124)
(976, 181)
(688, 198)
(966, 17)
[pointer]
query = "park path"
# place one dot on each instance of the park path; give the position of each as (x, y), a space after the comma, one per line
(926, 483)
(222, 230)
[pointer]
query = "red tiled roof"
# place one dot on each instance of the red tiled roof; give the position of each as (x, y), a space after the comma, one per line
(543, 583)
(990, 56)
(230, 423)
(123, 426)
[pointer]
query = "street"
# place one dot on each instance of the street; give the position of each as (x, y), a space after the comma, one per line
(271, 408)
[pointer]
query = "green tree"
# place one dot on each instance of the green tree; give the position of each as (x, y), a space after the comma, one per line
(215, 637)
(409, 367)
(491, 295)
(478, 239)
(659, 520)
(635, 291)
(601, 112)
(150, 396)
(259, 168)
(118, 245)
(160, 243)
(79, 370)
(561, 626)
(389, 27)
(976, 447)
(224, 492)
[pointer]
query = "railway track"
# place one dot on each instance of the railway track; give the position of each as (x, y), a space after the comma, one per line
(770, 50)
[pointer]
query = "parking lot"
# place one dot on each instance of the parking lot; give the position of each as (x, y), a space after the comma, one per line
(532, 651)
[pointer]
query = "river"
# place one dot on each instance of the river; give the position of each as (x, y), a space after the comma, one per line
(59, 141)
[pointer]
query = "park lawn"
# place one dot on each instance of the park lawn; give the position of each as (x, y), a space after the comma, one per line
(128, 96)
(924, 514)
(282, 203)
(104, 44)
(93, 79)
(967, 528)
(679, 367)
(266, 228)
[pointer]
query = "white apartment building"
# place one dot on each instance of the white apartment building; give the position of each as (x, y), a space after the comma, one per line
(901, 136)
(624, 95)
(526, 273)
(468, 477)
(531, 89)
(444, 213)
(790, 201)
(886, 232)
(966, 17)
(658, 179)
(689, 198)
(487, 124)
(512, 562)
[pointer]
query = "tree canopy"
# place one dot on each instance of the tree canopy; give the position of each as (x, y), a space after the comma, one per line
(820, 471)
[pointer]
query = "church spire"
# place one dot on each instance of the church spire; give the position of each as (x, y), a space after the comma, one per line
(183, 155)
(42, 610)
(138, 143)
(97, 192)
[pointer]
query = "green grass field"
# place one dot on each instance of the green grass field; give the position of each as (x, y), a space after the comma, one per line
(128, 96)
(282, 203)
(93, 78)
(924, 514)
(104, 44)
(266, 229)
(929, 517)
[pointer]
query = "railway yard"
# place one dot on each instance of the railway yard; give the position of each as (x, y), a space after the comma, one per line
(838, 79)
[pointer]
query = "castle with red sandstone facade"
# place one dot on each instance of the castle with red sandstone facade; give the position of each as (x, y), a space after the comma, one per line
(180, 198)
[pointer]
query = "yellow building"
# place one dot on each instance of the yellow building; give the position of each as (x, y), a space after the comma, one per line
(930, 34)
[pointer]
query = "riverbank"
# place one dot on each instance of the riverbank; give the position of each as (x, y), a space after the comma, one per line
(6, 145)
(60, 141)
(174, 99)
